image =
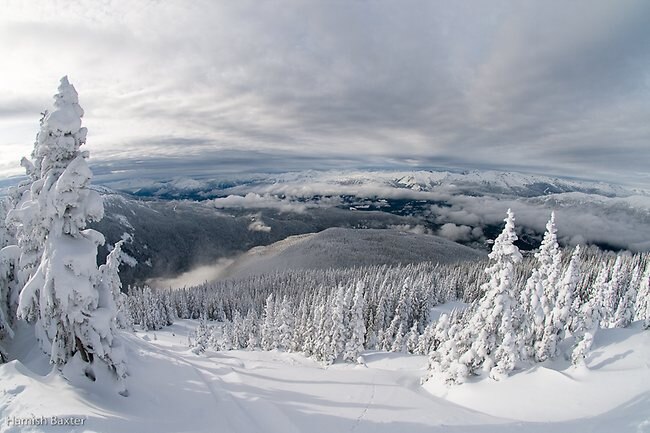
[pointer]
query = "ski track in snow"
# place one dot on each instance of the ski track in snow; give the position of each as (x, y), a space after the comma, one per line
(365, 409)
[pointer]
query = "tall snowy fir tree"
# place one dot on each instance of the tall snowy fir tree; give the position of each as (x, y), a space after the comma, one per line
(488, 342)
(9, 287)
(269, 331)
(557, 323)
(612, 291)
(549, 271)
(112, 285)
(493, 346)
(338, 330)
(642, 305)
(73, 311)
(355, 344)
(624, 313)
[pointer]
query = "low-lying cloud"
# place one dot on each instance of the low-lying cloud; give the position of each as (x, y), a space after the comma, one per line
(460, 212)
(194, 276)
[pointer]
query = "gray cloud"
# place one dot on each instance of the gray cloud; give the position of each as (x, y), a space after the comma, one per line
(560, 88)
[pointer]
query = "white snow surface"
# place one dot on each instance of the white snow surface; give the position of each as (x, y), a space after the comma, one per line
(174, 390)
(342, 247)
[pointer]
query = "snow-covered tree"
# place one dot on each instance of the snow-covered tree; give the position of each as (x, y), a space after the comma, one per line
(426, 340)
(587, 325)
(354, 345)
(450, 360)
(252, 330)
(531, 317)
(412, 338)
(269, 332)
(435, 334)
(338, 331)
(399, 342)
(612, 292)
(284, 325)
(557, 323)
(201, 337)
(74, 315)
(494, 348)
(624, 313)
(323, 321)
(9, 287)
(642, 307)
(110, 281)
(549, 258)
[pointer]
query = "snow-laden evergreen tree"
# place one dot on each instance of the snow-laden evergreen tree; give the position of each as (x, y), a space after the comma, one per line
(24, 220)
(74, 315)
(354, 345)
(252, 330)
(612, 291)
(338, 331)
(494, 349)
(238, 338)
(323, 321)
(399, 342)
(379, 321)
(412, 338)
(150, 314)
(587, 325)
(451, 358)
(399, 321)
(562, 311)
(6, 235)
(544, 286)
(201, 337)
(440, 332)
(111, 283)
(599, 287)
(624, 313)
(226, 340)
(269, 332)
(182, 308)
(549, 257)
(642, 307)
(531, 317)
(284, 325)
(425, 343)
(168, 311)
(301, 341)
(9, 287)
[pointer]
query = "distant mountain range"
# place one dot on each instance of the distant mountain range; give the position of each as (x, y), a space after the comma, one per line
(475, 182)
(176, 224)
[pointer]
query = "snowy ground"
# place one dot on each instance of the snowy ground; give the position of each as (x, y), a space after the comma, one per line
(173, 390)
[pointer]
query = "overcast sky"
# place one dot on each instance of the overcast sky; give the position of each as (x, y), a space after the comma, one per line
(561, 87)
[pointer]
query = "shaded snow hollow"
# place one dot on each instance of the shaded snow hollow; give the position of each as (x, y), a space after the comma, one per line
(174, 390)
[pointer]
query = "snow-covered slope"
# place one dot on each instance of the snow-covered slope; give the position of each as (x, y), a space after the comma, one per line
(341, 248)
(174, 390)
